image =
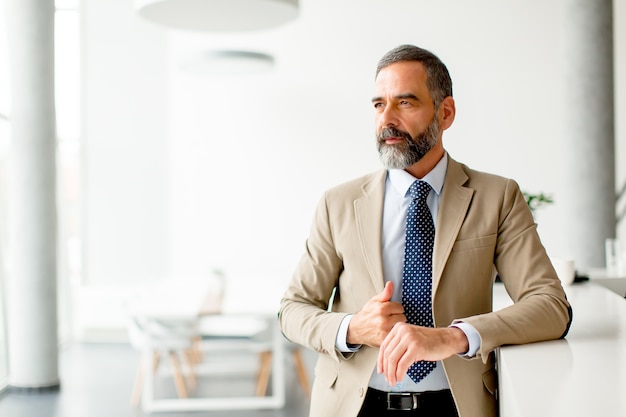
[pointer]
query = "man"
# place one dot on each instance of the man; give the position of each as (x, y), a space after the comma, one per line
(356, 296)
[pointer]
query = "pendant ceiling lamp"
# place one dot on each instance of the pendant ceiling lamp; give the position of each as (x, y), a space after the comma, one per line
(229, 63)
(218, 15)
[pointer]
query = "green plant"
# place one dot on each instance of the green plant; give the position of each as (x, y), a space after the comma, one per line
(536, 201)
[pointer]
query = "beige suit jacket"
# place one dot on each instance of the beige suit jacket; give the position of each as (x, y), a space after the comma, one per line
(484, 225)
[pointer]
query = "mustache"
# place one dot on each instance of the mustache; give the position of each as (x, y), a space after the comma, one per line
(392, 132)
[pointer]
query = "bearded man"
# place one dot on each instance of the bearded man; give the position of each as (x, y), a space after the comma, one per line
(394, 289)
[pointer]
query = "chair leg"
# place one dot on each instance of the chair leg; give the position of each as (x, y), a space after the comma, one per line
(196, 349)
(301, 372)
(264, 373)
(137, 386)
(178, 376)
(156, 358)
(190, 361)
(139, 380)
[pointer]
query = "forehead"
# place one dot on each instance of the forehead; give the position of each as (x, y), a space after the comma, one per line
(402, 77)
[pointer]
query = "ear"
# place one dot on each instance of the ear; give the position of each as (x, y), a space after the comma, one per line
(447, 112)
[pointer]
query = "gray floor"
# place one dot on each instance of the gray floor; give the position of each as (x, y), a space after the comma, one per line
(97, 380)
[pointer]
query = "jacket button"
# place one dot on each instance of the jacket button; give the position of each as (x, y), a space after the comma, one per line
(361, 392)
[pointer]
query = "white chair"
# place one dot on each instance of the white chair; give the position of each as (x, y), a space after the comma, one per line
(173, 340)
(246, 329)
(227, 333)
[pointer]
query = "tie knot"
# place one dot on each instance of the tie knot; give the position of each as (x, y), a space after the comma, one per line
(419, 190)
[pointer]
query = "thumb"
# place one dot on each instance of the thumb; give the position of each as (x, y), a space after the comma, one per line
(387, 292)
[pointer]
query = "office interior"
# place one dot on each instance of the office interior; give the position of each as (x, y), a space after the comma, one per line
(174, 172)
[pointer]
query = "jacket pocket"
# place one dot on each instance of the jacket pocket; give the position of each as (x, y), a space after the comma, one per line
(474, 243)
(326, 373)
(490, 381)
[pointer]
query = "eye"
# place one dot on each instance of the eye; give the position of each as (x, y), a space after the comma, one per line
(378, 105)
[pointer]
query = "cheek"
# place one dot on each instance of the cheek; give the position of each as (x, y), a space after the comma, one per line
(413, 130)
(415, 127)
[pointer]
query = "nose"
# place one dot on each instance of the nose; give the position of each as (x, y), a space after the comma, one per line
(388, 117)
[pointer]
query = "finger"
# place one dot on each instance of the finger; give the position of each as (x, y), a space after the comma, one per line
(393, 352)
(391, 368)
(386, 294)
(413, 353)
(382, 353)
(379, 361)
(392, 308)
(403, 365)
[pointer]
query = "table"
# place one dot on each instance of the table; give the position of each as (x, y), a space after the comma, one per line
(181, 302)
(581, 375)
(611, 280)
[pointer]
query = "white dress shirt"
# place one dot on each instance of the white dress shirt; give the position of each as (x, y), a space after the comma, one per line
(396, 205)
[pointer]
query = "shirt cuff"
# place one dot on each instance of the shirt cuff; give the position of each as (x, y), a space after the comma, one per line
(341, 342)
(472, 337)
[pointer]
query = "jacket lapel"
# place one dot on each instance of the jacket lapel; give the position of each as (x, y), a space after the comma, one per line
(368, 211)
(455, 200)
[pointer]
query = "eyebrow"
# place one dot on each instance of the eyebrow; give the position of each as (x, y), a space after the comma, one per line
(399, 96)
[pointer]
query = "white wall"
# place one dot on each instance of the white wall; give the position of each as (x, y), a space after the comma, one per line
(251, 156)
(188, 172)
(125, 132)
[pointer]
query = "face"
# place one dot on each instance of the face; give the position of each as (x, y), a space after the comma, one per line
(407, 123)
(403, 149)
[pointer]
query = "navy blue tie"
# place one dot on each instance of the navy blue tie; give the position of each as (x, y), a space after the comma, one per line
(417, 272)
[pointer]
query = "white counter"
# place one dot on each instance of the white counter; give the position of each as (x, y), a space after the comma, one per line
(581, 375)
(615, 282)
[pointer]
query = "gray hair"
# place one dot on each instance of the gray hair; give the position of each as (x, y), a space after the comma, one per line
(438, 79)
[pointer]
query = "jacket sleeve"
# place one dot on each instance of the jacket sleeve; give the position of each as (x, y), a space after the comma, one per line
(304, 316)
(540, 310)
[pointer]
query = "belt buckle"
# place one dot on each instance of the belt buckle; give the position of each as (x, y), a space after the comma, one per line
(401, 401)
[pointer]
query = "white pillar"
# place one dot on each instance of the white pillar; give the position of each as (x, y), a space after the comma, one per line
(589, 150)
(32, 284)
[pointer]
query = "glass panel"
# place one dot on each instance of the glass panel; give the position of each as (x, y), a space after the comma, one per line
(67, 85)
(4, 148)
(67, 73)
(4, 65)
(66, 4)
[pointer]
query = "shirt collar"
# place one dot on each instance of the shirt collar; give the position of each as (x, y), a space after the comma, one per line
(402, 180)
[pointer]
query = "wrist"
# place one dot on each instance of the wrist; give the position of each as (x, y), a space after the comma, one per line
(351, 336)
(459, 340)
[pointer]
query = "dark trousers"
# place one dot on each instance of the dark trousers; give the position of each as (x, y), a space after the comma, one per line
(439, 404)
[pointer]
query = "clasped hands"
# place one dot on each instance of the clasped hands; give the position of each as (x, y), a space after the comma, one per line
(382, 323)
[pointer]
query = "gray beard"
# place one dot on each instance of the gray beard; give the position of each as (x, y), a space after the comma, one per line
(403, 155)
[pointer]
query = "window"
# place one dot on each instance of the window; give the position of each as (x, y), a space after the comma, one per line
(67, 72)
(4, 150)
(4, 141)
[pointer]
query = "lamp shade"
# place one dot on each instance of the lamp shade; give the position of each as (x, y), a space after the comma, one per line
(229, 63)
(218, 15)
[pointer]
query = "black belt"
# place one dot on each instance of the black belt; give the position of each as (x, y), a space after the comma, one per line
(404, 401)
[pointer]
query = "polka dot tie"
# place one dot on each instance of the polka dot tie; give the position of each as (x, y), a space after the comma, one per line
(417, 272)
